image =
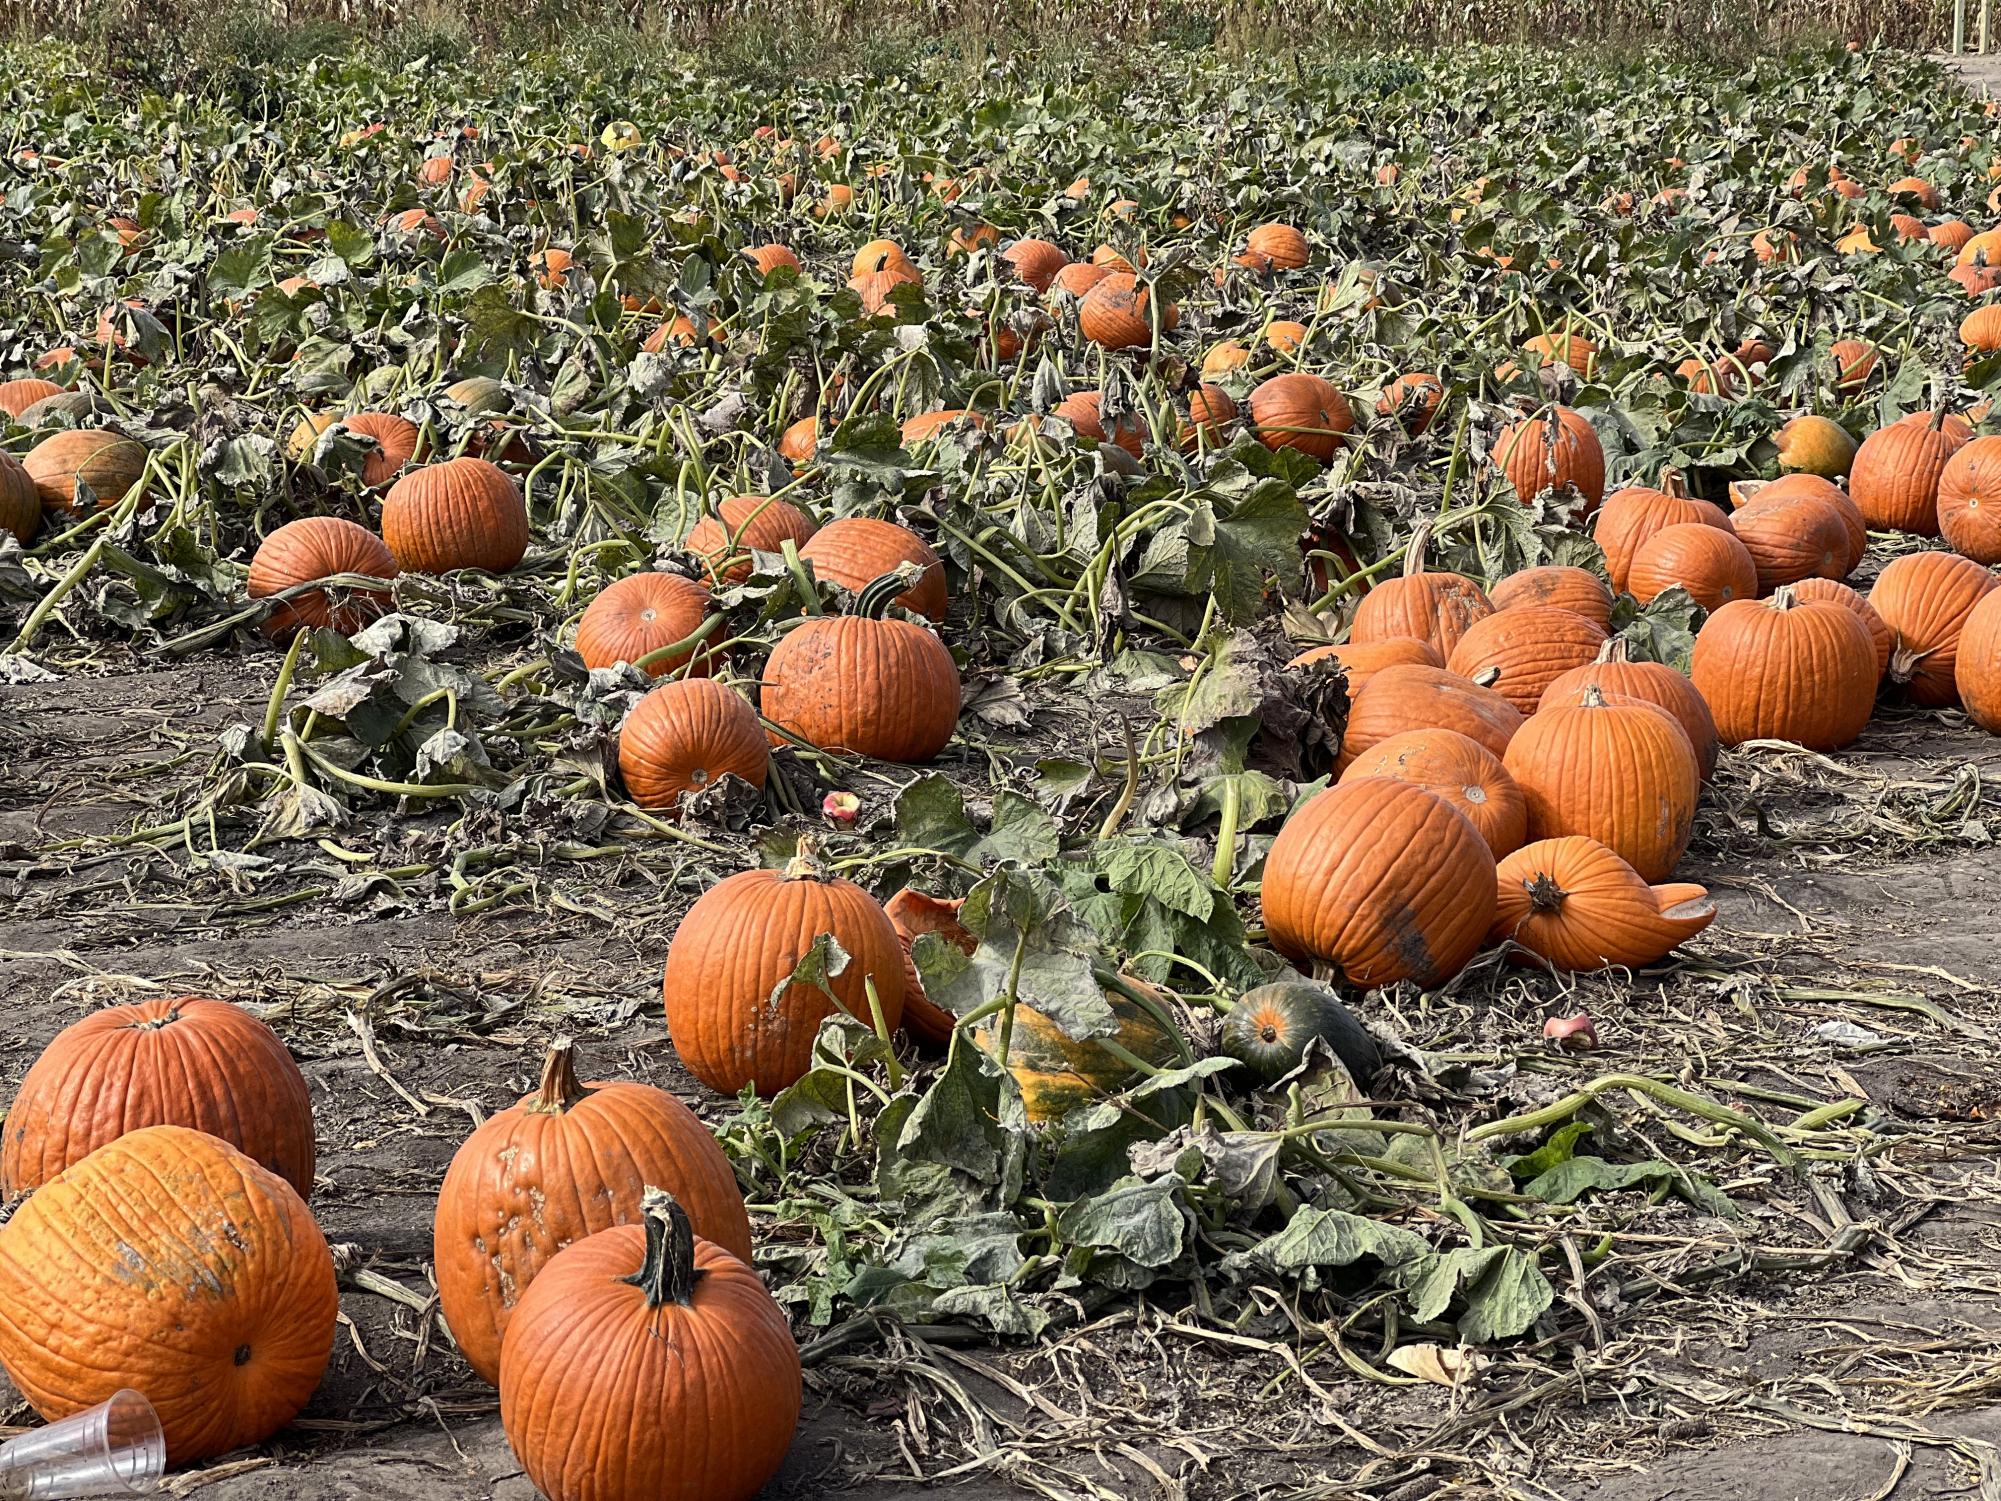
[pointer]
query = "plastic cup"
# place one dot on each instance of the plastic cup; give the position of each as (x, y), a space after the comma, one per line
(114, 1449)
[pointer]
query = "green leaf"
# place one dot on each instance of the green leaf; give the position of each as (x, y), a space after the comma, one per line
(1141, 1221)
(1237, 556)
(1504, 1291)
(1152, 869)
(1330, 1237)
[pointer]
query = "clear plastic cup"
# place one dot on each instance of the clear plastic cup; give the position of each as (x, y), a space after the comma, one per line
(114, 1449)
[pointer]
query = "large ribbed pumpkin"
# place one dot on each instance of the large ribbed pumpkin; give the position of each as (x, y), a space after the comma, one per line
(1791, 537)
(1381, 880)
(1036, 262)
(169, 1262)
(1615, 675)
(1706, 561)
(1433, 607)
(1557, 450)
(1458, 769)
(1118, 313)
(735, 1014)
(567, 1161)
(20, 500)
(1577, 904)
(16, 396)
(641, 613)
(1577, 590)
(464, 513)
(1621, 770)
(1746, 495)
(744, 524)
(648, 1365)
(857, 549)
(396, 440)
(1834, 592)
(1783, 669)
(1977, 663)
(185, 1061)
(1301, 411)
(1969, 501)
(317, 547)
(1361, 660)
(109, 463)
(1896, 474)
(686, 736)
(1397, 699)
(1520, 652)
(1923, 600)
(1632, 515)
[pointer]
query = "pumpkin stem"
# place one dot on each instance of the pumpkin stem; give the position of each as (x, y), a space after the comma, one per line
(560, 1089)
(1904, 662)
(1486, 677)
(1591, 697)
(1674, 483)
(1615, 649)
(877, 594)
(154, 1024)
(1544, 894)
(1413, 558)
(668, 1274)
(1782, 598)
(805, 862)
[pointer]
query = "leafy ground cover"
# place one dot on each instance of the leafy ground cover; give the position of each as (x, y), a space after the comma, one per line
(1758, 1203)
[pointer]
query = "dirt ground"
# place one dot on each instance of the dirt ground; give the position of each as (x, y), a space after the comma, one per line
(1863, 893)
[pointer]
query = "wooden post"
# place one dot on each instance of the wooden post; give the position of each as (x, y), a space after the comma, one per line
(1958, 27)
(1985, 7)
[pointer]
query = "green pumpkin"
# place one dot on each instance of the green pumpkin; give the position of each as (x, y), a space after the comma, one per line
(480, 393)
(1057, 1073)
(1271, 1027)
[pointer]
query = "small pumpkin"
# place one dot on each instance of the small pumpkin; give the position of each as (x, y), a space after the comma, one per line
(1118, 313)
(394, 439)
(169, 1262)
(1520, 652)
(857, 549)
(1434, 607)
(1036, 262)
(1854, 362)
(636, 616)
(1211, 410)
(741, 525)
(463, 513)
(1616, 675)
(1458, 769)
(1271, 1028)
(1057, 1073)
(1749, 495)
(16, 396)
(736, 1015)
(769, 258)
(1786, 669)
(1078, 277)
(20, 501)
(1397, 699)
(1623, 772)
(913, 914)
(800, 441)
(667, 1351)
(1084, 411)
(1814, 444)
(1412, 400)
(568, 1160)
(109, 463)
(1969, 501)
(1632, 515)
(1573, 350)
(1558, 450)
(687, 735)
(1895, 479)
(1977, 663)
(1577, 590)
(1923, 600)
(317, 547)
(1706, 561)
(1577, 904)
(1301, 411)
(1275, 247)
(1381, 880)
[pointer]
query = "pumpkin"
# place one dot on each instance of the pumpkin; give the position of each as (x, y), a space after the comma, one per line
(857, 549)
(1746, 493)
(1117, 313)
(395, 439)
(736, 1016)
(169, 1262)
(1577, 590)
(1951, 233)
(1708, 562)
(1300, 411)
(646, 1363)
(1396, 699)
(1285, 336)
(1520, 652)
(1413, 400)
(1360, 661)
(1854, 362)
(1271, 1028)
(1815, 445)
(1458, 769)
(875, 284)
(1923, 600)
(1057, 1073)
(463, 513)
(1035, 262)
(1577, 904)
(1223, 358)
(687, 735)
(1210, 413)
(566, 1161)
(1274, 247)
(1977, 663)
(109, 463)
(1895, 479)
(1084, 412)
(1969, 501)
(1620, 770)
(912, 914)
(769, 258)
(1786, 669)
(1632, 515)
(186, 1061)
(16, 396)
(1556, 451)
(1380, 879)
(317, 547)
(1077, 278)
(1616, 676)
(862, 683)
(1791, 537)
(641, 613)
(20, 500)
(1834, 592)
(1980, 330)
(1574, 350)
(744, 524)
(927, 425)
(799, 441)
(1434, 607)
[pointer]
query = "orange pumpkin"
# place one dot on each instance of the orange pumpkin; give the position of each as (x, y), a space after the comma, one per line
(1615, 676)
(769, 258)
(1792, 536)
(686, 736)
(109, 463)
(1577, 590)
(1275, 247)
(1708, 562)
(1301, 411)
(1412, 697)
(1969, 501)
(1786, 669)
(464, 513)
(639, 614)
(1924, 600)
(1117, 313)
(1458, 769)
(1084, 411)
(1977, 663)
(1362, 660)
(317, 547)
(1630, 516)
(1578, 905)
(1520, 652)
(914, 914)
(741, 525)
(1433, 607)
(1895, 478)
(1413, 400)
(857, 549)
(1035, 262)
(1210, 413)
(1556, 451)
(1834, 592)
(16, 396)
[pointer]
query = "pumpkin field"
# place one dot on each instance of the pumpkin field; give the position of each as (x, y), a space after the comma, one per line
(1017, 776)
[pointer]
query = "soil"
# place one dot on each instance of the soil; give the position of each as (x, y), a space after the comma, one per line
(1855, 956)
